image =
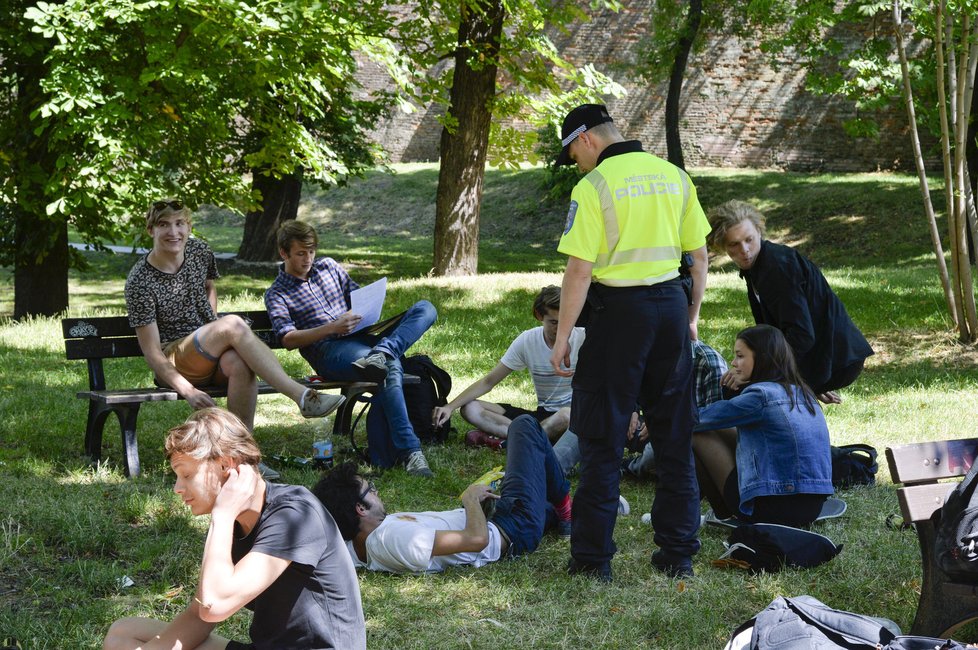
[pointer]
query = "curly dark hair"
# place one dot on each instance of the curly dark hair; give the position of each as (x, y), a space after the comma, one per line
(339, 491)
(775, 361)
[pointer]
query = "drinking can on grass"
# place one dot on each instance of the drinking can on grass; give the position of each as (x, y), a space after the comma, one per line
(322, 446)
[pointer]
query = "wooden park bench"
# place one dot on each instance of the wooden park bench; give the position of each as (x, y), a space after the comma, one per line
(944, 605)
(95, 339)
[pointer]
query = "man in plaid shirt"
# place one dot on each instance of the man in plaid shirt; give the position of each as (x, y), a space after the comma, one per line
(309, 306)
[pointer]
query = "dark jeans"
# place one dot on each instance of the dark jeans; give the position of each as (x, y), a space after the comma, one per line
(637, 351)
(333, 358)
(533, 483)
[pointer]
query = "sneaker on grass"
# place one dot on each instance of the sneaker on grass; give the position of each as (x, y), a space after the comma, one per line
(372, 367)
(318, 405)
(477, 438)
(417, 465)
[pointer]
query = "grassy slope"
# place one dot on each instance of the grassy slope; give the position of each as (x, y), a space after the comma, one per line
(68, 533)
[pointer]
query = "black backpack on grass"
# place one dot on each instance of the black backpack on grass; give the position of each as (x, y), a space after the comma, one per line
(422, 398)
(956, 542)
(854, 465)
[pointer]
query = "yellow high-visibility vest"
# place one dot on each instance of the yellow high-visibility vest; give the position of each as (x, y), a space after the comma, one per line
(633, 216)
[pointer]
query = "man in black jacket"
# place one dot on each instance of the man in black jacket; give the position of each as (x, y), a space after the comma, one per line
(787, 291)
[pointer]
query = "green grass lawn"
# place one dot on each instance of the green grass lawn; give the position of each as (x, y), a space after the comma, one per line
(69, 533)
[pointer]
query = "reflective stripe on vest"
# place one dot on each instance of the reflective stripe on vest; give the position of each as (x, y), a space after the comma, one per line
(612, 232)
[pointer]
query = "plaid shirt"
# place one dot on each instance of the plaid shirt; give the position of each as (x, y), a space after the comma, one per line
(708, 368)
(303, 304)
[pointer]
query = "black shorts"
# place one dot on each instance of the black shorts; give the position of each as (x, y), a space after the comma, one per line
(512, 412)
(237, 645)
(795, 510)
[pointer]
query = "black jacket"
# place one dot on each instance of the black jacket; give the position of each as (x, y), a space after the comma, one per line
(787, 291)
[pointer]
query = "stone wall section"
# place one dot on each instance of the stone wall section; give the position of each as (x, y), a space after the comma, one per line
(737, 109)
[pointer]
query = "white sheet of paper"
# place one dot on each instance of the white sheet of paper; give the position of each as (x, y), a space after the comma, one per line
(368, 301)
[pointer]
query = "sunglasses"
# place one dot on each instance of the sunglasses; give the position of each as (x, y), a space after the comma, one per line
(173, 205)
(367, 490)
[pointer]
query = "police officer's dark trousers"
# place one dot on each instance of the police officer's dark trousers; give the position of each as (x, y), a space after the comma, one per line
(637, 351)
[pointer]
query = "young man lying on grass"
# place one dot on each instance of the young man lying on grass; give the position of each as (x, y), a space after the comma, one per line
(272, 548)
(534, 496)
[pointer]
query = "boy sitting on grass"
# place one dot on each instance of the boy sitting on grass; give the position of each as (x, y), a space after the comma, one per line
(534, 496)
(272, 548)
(530, 350)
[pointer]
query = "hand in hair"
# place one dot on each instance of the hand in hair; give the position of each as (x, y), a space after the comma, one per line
(829, 397)
(238, 490)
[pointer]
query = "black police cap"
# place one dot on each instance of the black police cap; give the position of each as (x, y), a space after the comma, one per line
(579, 120)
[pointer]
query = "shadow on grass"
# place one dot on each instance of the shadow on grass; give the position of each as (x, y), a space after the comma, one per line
(857, 220)
(70, 539)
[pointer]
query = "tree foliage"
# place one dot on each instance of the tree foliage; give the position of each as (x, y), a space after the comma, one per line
(128, 100)
(852, 50)
(531, 84)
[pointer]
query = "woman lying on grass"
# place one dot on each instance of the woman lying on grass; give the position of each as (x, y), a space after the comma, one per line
(271, 547)
(776, 466)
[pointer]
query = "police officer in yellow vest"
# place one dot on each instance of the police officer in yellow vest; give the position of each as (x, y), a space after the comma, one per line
(631, 218)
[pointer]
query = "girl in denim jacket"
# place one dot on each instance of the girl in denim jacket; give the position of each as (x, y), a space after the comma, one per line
(766, 450)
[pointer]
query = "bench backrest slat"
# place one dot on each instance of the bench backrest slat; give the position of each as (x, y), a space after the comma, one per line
(918, 502)
(924, 462)
(111, 337)
(113, 348)
(100, 327)
(919, 467)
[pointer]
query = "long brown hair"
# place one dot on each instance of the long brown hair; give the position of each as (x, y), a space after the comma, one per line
(775, 361)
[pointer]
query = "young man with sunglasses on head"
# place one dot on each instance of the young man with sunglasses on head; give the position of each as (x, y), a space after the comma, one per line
(171, 299)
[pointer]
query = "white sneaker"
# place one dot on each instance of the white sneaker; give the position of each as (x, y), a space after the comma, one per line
(623, 507)
(417, 465)
(372, 367)
(318, 405)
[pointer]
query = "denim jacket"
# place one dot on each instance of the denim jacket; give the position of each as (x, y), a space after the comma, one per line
(780, 450)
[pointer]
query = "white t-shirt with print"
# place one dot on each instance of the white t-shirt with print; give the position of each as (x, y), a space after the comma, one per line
(530, 350)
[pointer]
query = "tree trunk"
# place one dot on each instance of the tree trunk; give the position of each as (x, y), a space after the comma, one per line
(40, 256)
(674, 144)
(279, 202)
(972, 145)
(464, 144)
(935, 235)
(40, 276)
(971, 154)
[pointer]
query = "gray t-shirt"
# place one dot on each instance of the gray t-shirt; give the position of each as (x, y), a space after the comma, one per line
(176, 302)
(315, 603)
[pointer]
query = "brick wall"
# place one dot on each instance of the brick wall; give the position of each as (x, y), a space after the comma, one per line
(737, 109)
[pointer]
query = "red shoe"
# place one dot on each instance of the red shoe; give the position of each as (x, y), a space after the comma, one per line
(477, 438)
